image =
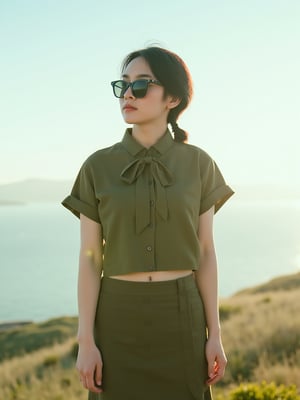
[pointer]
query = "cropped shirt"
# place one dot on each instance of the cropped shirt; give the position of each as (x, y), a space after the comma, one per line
(148, 202)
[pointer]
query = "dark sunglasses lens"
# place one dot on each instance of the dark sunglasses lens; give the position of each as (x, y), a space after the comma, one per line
(120, 88)
(139, 88)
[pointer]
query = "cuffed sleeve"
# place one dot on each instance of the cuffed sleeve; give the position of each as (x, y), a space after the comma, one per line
(215, 191)
(82, 199)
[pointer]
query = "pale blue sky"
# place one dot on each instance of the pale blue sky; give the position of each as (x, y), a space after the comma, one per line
(58, 57)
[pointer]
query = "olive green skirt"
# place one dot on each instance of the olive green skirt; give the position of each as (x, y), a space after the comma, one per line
(152, 339)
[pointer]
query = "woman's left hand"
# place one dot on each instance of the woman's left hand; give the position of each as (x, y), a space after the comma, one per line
(216, 360)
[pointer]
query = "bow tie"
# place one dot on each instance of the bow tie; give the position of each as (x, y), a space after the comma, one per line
(146, 171)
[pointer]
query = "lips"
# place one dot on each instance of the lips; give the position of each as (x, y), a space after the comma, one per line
(128, 107)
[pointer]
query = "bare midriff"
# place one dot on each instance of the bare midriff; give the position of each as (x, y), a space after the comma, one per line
(155, 276)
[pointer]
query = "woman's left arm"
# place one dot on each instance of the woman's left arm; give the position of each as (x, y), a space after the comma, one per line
(207, 282)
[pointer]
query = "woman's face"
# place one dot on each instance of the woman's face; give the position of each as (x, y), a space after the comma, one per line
(153, 108)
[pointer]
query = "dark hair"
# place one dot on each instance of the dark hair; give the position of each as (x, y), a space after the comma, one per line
(175, 77)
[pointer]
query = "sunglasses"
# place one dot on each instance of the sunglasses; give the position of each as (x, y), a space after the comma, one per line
(139, 87)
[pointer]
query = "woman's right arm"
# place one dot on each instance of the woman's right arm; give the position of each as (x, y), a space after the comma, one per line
(89, 361)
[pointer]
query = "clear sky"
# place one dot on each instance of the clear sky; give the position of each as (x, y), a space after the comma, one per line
(58, 57)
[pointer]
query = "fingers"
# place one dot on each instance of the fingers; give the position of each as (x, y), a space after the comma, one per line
(216, 371)
(89, 383)
(92, 379)
(89, 365)
(216, 360)
(98, 376)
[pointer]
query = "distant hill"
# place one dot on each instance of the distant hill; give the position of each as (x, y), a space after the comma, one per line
(40, 190)
(34, 191)
(281, 283)
(270, 193)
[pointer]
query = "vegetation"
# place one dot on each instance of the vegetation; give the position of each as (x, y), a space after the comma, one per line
(47, 374)
(31, 337)
(282, 283)
(264, 391)
(261, 335)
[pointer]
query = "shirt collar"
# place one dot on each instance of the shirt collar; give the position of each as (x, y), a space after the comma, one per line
(134, 147)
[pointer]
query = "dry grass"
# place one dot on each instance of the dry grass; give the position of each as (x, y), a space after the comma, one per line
(286, 372)
(262, 340)
(46, 374)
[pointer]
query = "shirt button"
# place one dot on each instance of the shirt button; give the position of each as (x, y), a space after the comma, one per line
(149, 248)
(151, 203)
(150, 182)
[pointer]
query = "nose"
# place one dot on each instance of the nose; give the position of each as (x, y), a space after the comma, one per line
(128, 93)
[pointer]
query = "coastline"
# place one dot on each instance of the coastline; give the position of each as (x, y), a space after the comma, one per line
(13, 324)
(12, 203)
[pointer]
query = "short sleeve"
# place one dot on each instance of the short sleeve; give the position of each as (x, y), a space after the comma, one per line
(215, 191)
(82, 199)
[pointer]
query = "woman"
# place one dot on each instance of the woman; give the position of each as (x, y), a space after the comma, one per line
(147, 286)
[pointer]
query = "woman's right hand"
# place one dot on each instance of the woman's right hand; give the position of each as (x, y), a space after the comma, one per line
(89, 365)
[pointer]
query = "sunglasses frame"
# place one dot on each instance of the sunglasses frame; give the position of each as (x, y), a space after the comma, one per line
(131, 85)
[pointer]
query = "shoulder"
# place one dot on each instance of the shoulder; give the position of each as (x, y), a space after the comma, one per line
(99, 157)
(192, 151)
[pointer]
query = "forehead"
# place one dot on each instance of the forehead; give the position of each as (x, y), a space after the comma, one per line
(138, 68)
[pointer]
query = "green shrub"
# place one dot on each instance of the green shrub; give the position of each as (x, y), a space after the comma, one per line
(266, 300)
(51, 361)
(74, 350)
(264, 391)
(225, 311)
(242, 364)
(65, 382)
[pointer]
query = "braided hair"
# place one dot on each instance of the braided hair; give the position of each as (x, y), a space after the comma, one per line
(180, 135)
(175, 77)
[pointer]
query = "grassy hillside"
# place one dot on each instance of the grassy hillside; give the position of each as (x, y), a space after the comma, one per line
(31, 337)
(261, 335)
(282, 283)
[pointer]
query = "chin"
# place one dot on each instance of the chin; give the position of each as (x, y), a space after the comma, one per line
(129, 120)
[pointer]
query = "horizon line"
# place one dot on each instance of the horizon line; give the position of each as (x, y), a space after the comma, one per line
(236, 184)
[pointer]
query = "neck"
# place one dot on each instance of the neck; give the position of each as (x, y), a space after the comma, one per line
(147, 136)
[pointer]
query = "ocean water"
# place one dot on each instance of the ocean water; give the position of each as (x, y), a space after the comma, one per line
(39, 249)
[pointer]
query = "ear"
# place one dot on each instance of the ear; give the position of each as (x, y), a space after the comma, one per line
(172, 102)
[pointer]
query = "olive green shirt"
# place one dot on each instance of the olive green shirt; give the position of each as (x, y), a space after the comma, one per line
(148, 202)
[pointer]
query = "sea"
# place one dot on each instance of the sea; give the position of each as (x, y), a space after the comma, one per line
(39, 246)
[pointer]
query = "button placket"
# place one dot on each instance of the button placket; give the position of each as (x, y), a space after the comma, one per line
(150, 232)
(152, 209)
